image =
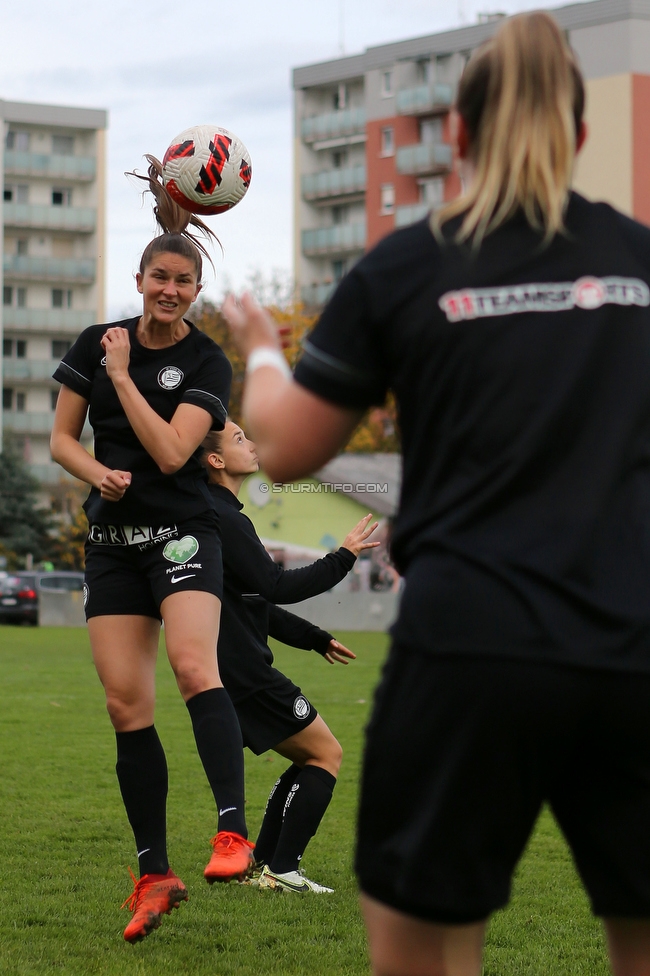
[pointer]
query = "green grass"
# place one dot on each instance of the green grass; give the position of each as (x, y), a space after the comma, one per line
(65, 842)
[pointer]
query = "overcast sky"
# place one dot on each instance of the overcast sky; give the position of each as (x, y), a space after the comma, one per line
(159, 67)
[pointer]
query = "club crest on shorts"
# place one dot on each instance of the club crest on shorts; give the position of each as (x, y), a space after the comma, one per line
(86, 594)
(301, 707)
(181, 550)
(170, 377)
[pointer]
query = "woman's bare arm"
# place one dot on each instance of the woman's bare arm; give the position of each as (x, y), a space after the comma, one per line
(169, 444)
(295, 431)
(69, 419)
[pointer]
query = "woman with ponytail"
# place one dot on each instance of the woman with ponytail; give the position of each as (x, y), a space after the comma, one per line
(514, 329)
(152, 387)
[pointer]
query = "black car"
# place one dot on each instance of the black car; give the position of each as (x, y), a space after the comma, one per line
(19, 593)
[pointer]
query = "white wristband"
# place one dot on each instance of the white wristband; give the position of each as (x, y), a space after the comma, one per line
(264, 356)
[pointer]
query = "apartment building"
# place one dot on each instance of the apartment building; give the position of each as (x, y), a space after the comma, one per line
(53, 222)
(372, 142)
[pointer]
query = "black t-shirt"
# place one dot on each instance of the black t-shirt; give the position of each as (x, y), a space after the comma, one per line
(251, 582)
(194, 370)
(522, 378)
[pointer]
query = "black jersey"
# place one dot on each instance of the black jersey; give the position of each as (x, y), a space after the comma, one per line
(522, 377)
(194, 370)
(253, 581)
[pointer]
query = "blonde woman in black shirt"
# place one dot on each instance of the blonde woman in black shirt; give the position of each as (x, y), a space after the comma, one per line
(514, 331)
(152, 387)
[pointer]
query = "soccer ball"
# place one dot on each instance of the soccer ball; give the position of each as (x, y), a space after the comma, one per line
(207, 169)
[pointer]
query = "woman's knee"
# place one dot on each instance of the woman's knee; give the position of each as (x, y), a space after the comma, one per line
(193, 677)
(128, 712)
(328, 754)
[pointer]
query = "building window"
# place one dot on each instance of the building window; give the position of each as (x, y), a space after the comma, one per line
(8, 194)
(17, 140)
(61, 197)
(7, 398)
(341, 97)
(386, 84)
(432, 191)
(21, 349)
(7, 348)
(22, 245)
(338, 270)
(7, 295)
(63, 145)
(60, 348)
(340, 214)
(387, 198)
(22, 193)
(388, 141)
(54, 396)
(424, 70)
(21, 400)
(61, 298)
(339, 159)
(21, 297)
(431, 130)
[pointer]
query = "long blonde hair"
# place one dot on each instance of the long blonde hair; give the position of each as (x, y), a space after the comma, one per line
(521, 98)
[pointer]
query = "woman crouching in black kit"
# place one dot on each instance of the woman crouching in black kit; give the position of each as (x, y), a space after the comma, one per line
(272, 711)
(514, 330)
(154, 386)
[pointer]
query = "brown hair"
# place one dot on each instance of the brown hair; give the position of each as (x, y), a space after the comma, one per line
(211, 445)
(522, 99)
(174, 221)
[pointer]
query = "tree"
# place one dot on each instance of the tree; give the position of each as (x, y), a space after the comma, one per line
(377, 432)
(23, 526)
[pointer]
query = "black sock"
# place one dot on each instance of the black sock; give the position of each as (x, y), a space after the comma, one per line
(306, 804)
(272, 822)
(220, 746)
(142, 774)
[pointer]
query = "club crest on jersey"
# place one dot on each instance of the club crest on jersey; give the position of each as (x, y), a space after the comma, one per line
(587, 293)
(181, 550)
(170, 377)
(301, 707)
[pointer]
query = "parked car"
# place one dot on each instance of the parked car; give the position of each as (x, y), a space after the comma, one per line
(19, 592)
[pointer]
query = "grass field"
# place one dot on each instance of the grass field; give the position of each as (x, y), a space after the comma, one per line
(65, 843)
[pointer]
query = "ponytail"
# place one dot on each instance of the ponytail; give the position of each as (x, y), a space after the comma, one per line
(173, 220)
(521, 98)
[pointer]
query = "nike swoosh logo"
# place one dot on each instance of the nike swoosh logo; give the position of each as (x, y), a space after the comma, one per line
(177, 579)
(295, 887)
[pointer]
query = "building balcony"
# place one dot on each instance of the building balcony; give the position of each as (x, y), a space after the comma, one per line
(59, 167)
(317, 294)
(23, 267)
(23, 422)
(50, 474)
(42, 217)
(334, 125)
(411, 214)
(339, 239)
(424, 100)
(424, 158)
(47, 319)
(29, 370)
(334, 183)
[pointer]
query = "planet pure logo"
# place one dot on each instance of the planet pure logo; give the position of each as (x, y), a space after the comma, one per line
(181, 550)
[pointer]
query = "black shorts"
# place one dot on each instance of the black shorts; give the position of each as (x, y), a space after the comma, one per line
(462, 753)
(131, 569)
(271, 715)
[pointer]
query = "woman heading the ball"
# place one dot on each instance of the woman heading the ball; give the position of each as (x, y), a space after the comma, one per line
(152, 387)
(273, 712)
(514, 328)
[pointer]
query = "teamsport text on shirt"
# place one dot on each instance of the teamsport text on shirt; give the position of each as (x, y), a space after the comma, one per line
(586, 293)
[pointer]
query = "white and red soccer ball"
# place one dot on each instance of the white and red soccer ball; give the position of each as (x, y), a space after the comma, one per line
(207, 169)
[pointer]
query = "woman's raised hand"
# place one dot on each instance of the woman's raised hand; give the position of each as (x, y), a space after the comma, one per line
(114, 484)
(250, 325)
(355, 541)
(117, 346)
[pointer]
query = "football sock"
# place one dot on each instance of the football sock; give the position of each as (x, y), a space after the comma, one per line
(306, 803)
(219, 743)
(272, 822)
(142, 774)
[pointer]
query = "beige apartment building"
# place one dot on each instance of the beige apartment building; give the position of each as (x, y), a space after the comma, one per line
(53, 285)
(372, 141)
